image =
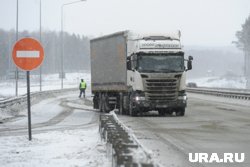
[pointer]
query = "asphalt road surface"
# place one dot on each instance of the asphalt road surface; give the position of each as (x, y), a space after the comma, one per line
(211, 125)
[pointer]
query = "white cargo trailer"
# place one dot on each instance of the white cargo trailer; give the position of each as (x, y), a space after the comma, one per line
(138, 72)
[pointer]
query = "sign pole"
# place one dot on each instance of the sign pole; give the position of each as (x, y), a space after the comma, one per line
(28, 103)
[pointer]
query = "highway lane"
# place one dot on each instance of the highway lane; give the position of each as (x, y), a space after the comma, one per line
(211, 125)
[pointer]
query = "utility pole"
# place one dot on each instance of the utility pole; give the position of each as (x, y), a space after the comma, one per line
(40, 39)
(16, 72)
(62, 40)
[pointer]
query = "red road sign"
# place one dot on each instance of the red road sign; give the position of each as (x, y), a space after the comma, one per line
(27, 54)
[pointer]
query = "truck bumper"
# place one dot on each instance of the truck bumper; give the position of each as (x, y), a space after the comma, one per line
(180, 103)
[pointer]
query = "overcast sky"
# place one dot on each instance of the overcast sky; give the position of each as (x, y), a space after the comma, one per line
(202, 22)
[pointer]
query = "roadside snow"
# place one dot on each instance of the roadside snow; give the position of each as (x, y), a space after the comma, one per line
(72, 139)
(55, 148)
(220, 82)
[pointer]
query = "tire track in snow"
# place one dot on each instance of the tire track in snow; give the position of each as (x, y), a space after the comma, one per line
(47, 126)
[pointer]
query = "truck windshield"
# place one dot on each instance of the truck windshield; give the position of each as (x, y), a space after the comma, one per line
(160, 63)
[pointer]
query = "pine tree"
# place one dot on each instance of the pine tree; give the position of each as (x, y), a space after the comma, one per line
(243, 43)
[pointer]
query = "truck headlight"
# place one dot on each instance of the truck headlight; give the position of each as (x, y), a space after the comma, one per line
(139, 98)
(184, 98)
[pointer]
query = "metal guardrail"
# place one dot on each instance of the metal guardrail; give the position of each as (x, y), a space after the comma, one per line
(20, 99)
(243, 94)
(123, 146)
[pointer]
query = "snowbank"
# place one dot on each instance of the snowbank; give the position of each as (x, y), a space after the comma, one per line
(56, 148)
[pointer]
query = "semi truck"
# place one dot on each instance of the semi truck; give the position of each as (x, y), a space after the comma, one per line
(139, 72)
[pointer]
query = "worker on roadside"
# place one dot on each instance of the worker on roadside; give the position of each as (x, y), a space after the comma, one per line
(82, 88)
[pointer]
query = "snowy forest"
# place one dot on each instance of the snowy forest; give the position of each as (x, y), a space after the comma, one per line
(76, 51)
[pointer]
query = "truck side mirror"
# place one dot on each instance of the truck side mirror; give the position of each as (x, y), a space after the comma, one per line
(190, 58)
(129, 65)
(189, 63)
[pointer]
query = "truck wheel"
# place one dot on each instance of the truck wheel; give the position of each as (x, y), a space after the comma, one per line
(132, 110)
(120, 104)
(161, 112)
(95, 102)
(169, 112)
(126, 105)
(180, 112)
(100, 105)
(105, 105)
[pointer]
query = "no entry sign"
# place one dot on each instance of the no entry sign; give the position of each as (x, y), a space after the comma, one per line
(27, 54)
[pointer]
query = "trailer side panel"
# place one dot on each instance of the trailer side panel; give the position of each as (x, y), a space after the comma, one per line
(108, 63)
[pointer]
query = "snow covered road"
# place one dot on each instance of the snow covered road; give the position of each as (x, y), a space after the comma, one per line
(65, 133)
(211, 125)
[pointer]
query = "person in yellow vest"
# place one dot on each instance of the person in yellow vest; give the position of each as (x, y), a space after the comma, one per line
(82, 88)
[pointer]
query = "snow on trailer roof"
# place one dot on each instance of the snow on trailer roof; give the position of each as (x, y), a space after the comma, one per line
(109, 35)
(136, 34)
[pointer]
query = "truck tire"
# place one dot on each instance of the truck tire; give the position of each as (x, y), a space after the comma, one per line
(170, 112)
(126, 105)
(121, 106)
(162, 112)
(180, 112)
(132, 109)
(100, 105)
(105, 104)
(95, 102)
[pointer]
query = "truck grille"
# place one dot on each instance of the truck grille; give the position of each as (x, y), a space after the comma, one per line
(161, 90)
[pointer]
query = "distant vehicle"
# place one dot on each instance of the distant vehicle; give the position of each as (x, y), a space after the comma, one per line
(137, 72)
(192, 85)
